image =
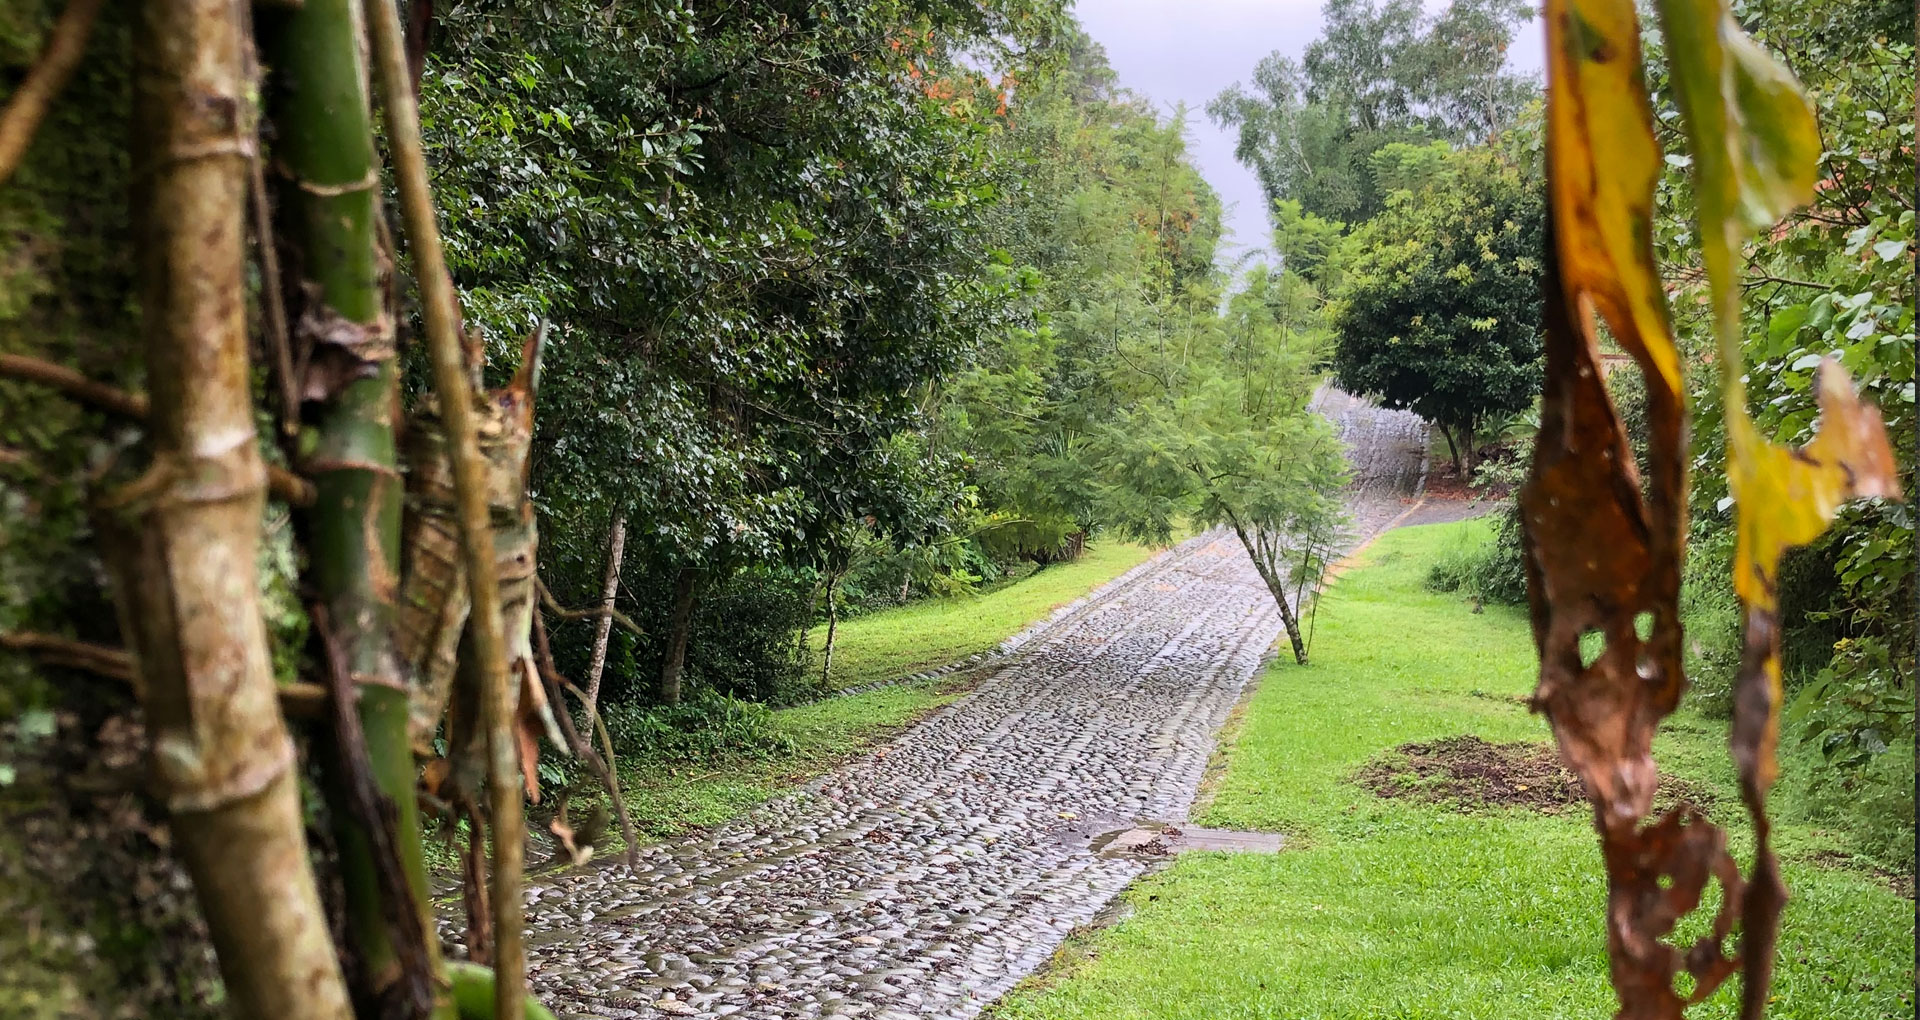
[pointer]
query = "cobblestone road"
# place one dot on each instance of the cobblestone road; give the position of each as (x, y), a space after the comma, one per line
(925, 880)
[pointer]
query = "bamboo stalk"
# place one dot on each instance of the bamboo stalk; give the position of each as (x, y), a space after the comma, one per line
(402, 983)
(324, 151)
(453, 387)
(183, 540)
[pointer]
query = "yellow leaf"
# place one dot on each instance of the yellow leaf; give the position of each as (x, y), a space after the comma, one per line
(1787, 497)
(1604, 162)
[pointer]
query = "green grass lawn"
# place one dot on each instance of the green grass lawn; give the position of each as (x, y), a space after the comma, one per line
(896, 642)
(1396, 909)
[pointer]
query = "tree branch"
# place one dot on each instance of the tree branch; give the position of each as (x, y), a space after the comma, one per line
(603, 768)
(297, 700)
(284, 484)
(553, 606)
(440, 313)
(66, 44)
(1762, 279)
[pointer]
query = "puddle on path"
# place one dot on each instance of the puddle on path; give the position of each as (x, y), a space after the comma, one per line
(1161, 840)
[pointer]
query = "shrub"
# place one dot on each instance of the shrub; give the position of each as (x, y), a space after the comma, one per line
(1493, 570)
(744, 636)
(1873, 804)
(707, 727)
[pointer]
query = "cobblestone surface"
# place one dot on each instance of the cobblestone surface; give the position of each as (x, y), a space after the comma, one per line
(926, 879)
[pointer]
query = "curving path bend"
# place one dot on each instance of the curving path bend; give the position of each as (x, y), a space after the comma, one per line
(926, 879)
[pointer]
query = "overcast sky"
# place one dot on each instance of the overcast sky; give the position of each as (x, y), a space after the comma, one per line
(1187, 51)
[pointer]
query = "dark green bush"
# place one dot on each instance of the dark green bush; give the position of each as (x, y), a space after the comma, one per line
(744, 637)
(1492, 571)
(706, 727)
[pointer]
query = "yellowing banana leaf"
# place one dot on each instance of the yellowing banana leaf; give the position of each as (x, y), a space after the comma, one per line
(1600, 557)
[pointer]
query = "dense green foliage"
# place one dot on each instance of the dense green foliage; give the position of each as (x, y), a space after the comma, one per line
(1836, 279)
(1440, 313)
(825, 355)
(1117, 233)
(101, 919)
(758, 232)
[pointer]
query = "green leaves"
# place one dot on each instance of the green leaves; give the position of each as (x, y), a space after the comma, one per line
(1381, 74)
(1440, 306)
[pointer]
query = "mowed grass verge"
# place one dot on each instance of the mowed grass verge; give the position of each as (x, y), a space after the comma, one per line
(668, 801)
(893, 643)
(1405, 910)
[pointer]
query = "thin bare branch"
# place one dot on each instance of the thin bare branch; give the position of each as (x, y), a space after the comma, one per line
(283, 484)
(100, 660)
(452, 385)
(66, 44)
(553, 606)
(297, 700)
(602, 767)
(107, 398)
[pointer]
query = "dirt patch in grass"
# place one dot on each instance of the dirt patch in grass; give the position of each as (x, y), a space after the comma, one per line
(1900, 882)
(1471, 774)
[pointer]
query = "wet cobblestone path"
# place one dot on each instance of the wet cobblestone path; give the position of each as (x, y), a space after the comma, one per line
(928, 878)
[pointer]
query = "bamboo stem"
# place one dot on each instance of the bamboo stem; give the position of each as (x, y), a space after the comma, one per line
(409, 989)
(453, 387)
(325, 158)
(183, 541)
(474, 994)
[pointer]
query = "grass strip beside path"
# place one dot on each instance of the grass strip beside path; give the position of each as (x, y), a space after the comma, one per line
(667, 801)
(672, 801)
(1402, 909)
(893, 643)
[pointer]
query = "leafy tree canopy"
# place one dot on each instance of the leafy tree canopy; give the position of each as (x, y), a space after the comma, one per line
(1441, 310)
(1377, 75)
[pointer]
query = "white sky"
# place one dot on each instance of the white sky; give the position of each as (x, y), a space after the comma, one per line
(1176, 51)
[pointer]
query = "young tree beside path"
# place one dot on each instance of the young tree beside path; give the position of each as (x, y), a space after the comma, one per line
(1233, 441)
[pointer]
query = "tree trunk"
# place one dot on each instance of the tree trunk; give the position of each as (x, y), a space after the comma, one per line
(1453, 451)
(678, 628)
(1277, 590)
(833, 626)
(324, 148)
(806, 623)
(184, 539)
(603, 627)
